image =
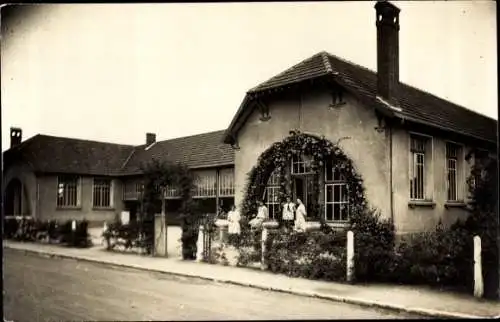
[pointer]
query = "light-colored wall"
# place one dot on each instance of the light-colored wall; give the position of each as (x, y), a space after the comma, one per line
(311, 113)
(424, 218)
(47, 202)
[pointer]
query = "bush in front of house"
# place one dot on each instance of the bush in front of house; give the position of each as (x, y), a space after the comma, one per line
(190, 229)
(10, 227)
(312, 254)
(29, 229)
(483, 220)
(374, 240)
(128, 234)
(74, 238)
(443, 257)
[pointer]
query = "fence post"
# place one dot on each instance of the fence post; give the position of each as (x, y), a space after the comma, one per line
(263, 265)
(478, 272)
(350, 256)
(199, 245)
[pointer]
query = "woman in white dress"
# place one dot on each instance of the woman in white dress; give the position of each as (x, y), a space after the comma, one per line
(233, 216)
(300, 216)
(262, 215)
(233, 229)
(288, 213)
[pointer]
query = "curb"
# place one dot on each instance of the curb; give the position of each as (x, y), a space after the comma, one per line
(349, 300)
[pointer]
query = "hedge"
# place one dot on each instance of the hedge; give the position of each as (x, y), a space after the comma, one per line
(29, 229)
(313, 254)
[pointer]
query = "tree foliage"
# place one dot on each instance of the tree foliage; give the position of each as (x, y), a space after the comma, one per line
(483, 221)
(158, 175)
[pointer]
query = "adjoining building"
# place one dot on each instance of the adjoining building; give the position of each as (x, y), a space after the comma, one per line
(410, 147)
(50, 177)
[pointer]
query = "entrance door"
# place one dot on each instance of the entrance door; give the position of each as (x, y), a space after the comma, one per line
(14, 198)
(303, 190)
(299, 189)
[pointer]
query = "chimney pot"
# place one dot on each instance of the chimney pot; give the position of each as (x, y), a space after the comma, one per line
(150, 138)
(16, 136)
(387, 21)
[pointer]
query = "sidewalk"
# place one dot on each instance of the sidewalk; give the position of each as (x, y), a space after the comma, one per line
(419, 300)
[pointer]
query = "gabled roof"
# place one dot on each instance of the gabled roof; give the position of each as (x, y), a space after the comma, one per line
(415, 105)
(196, 151)
(52, 154)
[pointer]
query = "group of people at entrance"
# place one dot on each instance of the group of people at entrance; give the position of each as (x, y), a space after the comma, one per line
(293, 216)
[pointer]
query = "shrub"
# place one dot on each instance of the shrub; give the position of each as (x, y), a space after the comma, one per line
(77, 238)
(130, 233)
(28, 229)
(439, 258)
(11, 226)
(313, 255)
(374, 241)
(189, 238)
(483, 221)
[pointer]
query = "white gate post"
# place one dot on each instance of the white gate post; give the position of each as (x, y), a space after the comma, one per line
(478, 272)
(199, 245)
(350, 256)
(263, 265)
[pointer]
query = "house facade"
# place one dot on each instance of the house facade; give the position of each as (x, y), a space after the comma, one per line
(413, 150)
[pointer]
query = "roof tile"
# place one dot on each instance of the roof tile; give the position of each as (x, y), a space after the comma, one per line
(415, 103)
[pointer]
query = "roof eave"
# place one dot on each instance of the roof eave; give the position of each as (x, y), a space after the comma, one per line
(418, 121)
(233, 128)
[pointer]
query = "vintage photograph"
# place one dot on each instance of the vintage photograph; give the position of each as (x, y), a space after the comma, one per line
(250, 161)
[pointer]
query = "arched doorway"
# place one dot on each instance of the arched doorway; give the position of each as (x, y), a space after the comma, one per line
(310, 168)
(16, 201)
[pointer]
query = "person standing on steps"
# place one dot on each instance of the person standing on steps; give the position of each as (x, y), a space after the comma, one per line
(288, 214)
(233, 229)
(300, 217)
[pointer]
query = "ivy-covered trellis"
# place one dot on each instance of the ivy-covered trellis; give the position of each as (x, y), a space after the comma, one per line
(373, 235)
(278, 157)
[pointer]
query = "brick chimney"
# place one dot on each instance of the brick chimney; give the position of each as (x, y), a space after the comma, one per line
(150, 138)
(16, 136)
(387, 51)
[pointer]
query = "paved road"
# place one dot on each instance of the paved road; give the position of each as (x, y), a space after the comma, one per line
(48, 289)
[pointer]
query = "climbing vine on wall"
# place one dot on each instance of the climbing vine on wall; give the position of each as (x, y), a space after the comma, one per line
(279, 156)
(158, 175)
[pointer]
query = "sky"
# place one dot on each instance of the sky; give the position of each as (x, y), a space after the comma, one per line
(112, 72)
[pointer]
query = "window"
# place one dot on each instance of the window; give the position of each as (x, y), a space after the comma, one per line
(132, 190)
(301, 164)
(336, 195)
(420, 165)
(205, 184)
(68, 191)
(271, 195)
(172, 192)
(226, 182)
(102, 193)
(453, 167)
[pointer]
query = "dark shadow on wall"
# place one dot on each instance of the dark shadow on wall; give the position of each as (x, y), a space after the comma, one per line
(16, 200)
